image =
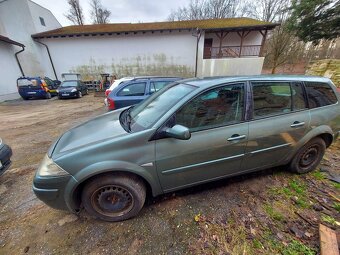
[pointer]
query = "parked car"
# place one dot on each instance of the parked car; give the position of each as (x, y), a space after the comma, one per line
(71, 89)
(191, 132)
(136, 90)
(114, 85)
(37, 87)
(5, 156)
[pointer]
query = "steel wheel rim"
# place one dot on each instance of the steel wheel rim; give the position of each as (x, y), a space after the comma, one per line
(309, 156)
(112, 200)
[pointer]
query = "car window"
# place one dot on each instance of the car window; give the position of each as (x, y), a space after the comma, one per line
(157, 85)
(298, 96)
(216, 107)
(27, 82)
(320, 94)
(271, 98)
(134, 89)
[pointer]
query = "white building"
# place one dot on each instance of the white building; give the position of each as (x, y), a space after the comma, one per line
(19, 19)
(181, 48)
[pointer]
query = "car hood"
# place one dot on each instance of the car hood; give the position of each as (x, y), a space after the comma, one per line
(68, 89)
(99, 129)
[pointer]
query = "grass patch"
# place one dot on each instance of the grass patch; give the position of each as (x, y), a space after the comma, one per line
(299, 188)
(275, 215)
(329, 220)
(318, 175)
(297, 248)
(336, 185)
(336, 206)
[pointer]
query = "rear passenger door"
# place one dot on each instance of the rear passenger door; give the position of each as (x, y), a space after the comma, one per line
(157, 85)
(130, 94)
(280, 119)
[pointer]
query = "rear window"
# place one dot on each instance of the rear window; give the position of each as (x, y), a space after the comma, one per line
(26, 82)
(320, 94)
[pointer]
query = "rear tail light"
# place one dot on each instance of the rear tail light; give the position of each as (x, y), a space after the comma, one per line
(110, 104)
(107, 92)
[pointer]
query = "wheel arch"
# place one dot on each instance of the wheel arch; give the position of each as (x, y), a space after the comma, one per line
(74, 190)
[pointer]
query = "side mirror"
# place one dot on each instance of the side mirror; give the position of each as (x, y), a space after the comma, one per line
(178, 132)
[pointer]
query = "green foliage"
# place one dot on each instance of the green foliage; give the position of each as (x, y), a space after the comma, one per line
(299, 188)
(313, 20)
(329, 219)
(275, 215)
(336, 206)
(318, 175)
(297, 248)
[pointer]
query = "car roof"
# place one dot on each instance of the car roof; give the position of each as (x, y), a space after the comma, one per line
(210, 81)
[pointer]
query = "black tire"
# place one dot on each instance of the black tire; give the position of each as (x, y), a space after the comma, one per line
(80, 94)
(48, 95)
(114, 197)
(309, 156)
(25, 98)
(59, 97)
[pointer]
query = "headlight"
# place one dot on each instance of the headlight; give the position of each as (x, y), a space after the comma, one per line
(57, 91)
(73, 90)
(49, 168)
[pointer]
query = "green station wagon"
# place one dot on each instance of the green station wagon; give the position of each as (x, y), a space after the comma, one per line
(191, 132)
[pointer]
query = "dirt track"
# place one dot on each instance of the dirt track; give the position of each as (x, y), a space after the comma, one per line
(255, 214)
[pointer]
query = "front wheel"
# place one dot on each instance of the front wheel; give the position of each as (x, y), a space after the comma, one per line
(309, 156)
(114, 197)
(80, 94)
(48, 95)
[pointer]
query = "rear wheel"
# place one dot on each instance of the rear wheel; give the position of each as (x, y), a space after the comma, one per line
(309, 156)
(114, 197)
(48, 95)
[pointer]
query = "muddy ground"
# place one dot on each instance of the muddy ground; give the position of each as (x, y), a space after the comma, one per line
(270, 212)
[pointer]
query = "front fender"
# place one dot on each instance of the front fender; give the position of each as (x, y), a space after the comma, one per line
(149, 175)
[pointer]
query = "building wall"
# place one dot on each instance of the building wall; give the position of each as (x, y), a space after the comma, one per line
(8, 72)
(231, 66)
(167, 53)
(19, 19)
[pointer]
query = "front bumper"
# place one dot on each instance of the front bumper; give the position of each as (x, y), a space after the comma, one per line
(53, 191)
(68, 94)
(5, 158)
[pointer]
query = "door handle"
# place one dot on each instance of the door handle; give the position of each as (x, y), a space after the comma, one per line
(297, 124)
(236, 137)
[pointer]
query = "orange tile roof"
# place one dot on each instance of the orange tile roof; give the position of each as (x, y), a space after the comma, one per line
(208, 24)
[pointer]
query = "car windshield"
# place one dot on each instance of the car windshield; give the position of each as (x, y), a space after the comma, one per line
(67, 84)
(148, 112)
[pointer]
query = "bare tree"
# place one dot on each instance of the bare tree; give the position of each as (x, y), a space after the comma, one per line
(208, 9)
(75, 13)
(282, 47)
(99, 14)
(268, 10)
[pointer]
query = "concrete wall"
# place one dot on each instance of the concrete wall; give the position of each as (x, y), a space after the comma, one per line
(9, 71)
(167, 53)
(19, 19)
(231, 66)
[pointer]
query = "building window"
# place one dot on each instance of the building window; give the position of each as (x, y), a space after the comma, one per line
(42, 21)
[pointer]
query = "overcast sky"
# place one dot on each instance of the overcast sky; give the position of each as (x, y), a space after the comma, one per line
(121, 11)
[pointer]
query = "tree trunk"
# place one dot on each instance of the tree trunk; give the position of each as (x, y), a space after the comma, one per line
(274, 69)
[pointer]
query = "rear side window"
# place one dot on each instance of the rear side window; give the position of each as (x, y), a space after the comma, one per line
(271, 98)
(157, 85)
(320, 94)
(134, 89)
(299, 102)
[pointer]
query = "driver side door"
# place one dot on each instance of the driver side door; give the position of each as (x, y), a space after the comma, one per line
(217, 144)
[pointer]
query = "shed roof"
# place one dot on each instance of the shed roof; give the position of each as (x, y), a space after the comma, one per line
(208, 24)
(10, 41)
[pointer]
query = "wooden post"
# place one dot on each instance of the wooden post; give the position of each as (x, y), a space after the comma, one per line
(264, 36)
(221, 37)
(243, 35)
